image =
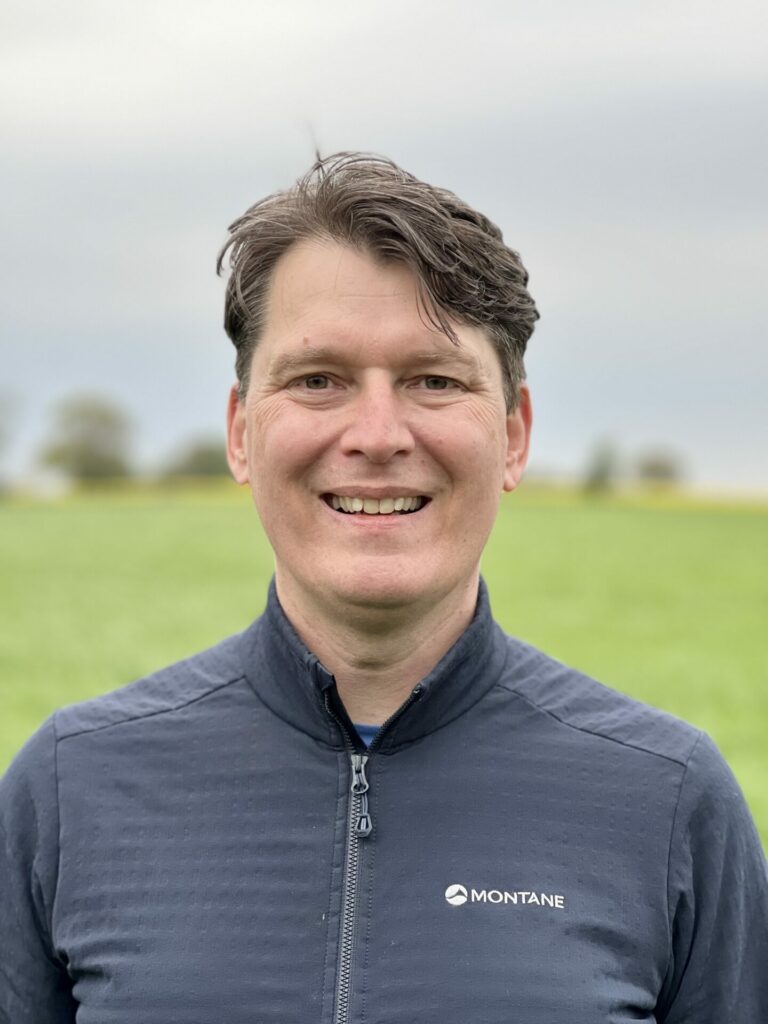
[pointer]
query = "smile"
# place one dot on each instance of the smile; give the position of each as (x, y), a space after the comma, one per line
(374, 506)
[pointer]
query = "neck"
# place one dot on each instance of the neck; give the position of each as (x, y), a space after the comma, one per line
(377, 655)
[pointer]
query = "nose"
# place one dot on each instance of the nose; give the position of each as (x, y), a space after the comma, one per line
(378, 426)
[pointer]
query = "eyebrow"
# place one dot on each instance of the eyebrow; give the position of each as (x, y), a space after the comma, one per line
(288, 362)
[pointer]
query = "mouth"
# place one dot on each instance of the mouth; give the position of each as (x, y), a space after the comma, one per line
(353, 505)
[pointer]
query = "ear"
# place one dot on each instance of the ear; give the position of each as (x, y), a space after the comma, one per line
(237, 437)
(518, 439)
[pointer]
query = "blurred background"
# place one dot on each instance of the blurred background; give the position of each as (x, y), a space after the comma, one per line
(621, 148)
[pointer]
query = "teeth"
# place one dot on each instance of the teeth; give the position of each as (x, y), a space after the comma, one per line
(374, 506)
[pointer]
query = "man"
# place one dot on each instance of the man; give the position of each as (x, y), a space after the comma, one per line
(373, 806)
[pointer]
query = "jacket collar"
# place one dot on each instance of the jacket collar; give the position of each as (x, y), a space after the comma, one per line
(294, 684)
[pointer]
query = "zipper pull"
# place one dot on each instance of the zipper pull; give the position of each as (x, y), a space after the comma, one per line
(359, 781)
(364, 823)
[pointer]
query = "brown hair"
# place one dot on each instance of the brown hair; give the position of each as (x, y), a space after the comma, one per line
(464, 270)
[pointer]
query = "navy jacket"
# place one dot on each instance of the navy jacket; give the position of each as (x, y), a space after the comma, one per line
(519, 844)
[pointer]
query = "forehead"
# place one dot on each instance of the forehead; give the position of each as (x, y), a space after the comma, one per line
(327, 296)
(320, 278)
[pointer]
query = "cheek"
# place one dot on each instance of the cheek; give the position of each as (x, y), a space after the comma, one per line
(472, 450)
(284, 439)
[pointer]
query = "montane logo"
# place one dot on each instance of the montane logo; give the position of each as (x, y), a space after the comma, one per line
(457, 895)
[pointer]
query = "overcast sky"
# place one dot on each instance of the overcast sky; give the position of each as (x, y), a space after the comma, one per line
(620, 146)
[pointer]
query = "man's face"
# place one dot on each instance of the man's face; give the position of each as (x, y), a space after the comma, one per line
(354, 402)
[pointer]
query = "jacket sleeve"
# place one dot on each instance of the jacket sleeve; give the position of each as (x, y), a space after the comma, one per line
(718, 902)
(34, 984)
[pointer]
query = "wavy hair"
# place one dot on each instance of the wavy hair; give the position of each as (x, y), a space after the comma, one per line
(464, 271)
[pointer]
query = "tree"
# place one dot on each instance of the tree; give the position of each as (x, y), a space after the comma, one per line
(8, 407)
(8, 412)
(602, 468)
(659, 467)
(202, 457)
(91, 439)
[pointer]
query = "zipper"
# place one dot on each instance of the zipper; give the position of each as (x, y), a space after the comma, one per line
(359, 827)
(413, 696)
(363, 824)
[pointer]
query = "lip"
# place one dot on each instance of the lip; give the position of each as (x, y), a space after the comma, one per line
(359, 491)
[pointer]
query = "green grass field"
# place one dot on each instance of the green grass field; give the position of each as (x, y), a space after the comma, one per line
(662, 598)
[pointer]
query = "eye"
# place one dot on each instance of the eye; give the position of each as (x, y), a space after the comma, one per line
(318, 387)
(315, 382)
(436, 383)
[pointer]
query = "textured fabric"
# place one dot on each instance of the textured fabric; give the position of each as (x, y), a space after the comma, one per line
(543, 850)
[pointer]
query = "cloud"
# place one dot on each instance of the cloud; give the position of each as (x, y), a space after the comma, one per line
(620, 147)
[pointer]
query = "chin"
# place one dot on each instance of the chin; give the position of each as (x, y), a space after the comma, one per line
(376, 587)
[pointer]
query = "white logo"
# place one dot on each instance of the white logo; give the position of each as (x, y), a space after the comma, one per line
(456, 895)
